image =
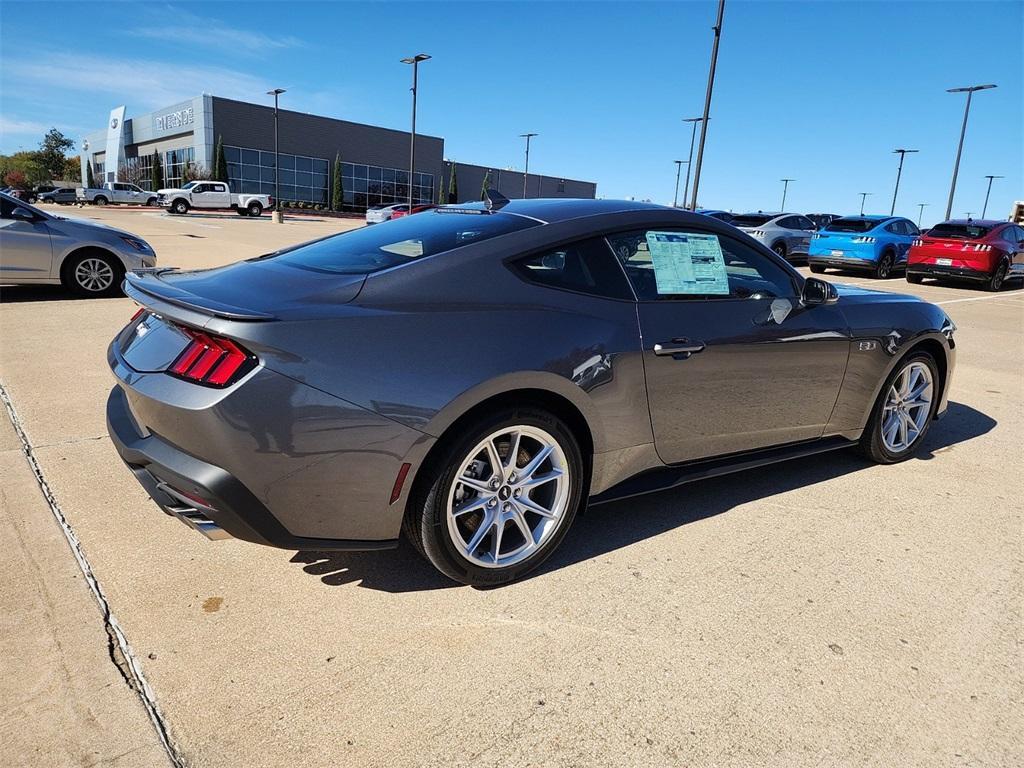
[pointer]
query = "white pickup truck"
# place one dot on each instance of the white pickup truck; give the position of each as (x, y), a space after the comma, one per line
(116, 192)
(211, 194)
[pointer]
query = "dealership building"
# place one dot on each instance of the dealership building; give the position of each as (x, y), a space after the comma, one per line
(375, 160)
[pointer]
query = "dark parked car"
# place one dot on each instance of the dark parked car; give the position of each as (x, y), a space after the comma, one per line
(63, 195)
(822, 219)
(470, 376)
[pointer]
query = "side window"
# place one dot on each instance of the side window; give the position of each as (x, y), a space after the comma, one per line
(667, 264)
(790, 222)
(805, 223)
(587, 267)
(910, 228)
(199, 188)
(219, 188)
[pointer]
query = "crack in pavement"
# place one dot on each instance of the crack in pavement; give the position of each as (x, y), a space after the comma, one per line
(118, 648)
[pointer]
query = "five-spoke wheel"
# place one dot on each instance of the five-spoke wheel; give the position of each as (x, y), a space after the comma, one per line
(904, 410)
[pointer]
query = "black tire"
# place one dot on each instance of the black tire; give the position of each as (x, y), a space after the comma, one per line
(77, 281)
(780, 249)
(883, 269)
(99, 200)
(426, 519)
(151, 202)
(872, 445)
(254, 209)
(179, 207)
(241, 211)
(817, 269)
(915, 279)
(995, 282)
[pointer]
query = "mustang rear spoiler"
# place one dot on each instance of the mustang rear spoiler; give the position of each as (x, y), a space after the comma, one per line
(145, 285)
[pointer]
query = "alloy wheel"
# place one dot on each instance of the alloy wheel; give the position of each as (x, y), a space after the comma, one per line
(508, 497)
(885, 266)
(907, 407)
(94, 275)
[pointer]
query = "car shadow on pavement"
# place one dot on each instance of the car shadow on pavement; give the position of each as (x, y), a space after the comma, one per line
(16, 294)
(607, 527)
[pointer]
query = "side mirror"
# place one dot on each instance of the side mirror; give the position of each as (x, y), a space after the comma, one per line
(22, 214)
(817, 292)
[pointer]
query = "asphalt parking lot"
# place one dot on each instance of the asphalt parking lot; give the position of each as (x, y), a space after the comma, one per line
(821, 612)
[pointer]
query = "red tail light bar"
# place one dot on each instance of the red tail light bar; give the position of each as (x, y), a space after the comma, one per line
(211, 360)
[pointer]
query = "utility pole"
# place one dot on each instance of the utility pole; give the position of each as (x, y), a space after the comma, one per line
(920, 213)
(278, 218)
(785, 188)
(415, 61)
(526, 170)
(969, 90)
(679, 167)
(707, 103)
(863, 196)
(902, 153)
(689, 161)
(987, 193)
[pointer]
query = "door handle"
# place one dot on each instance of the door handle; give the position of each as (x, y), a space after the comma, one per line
(679, 349)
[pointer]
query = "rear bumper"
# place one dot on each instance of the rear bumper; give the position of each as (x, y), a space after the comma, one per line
(846, 262)
(959, 273)
(205, 497)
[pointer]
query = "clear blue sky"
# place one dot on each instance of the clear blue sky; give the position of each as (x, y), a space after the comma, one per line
(817, 91)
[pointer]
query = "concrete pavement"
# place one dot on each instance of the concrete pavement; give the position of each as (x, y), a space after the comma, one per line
(822, 612)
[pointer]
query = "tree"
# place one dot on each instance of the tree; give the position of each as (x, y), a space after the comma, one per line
(453, 186)
(90, 180)
(72, 169)
(486, 185)
(338, 196)
(27, 163)
(220, 162)
(51, 155)
(156, 173)
(16, 179)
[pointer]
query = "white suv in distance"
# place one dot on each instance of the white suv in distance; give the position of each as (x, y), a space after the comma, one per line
(381, 213)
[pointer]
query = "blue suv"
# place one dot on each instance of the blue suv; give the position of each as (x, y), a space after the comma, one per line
(878, 244)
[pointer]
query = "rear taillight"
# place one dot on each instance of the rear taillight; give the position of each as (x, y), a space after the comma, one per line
(918, 241)
(138, 313)
(980, 247)
(863, 240)
(211, 360)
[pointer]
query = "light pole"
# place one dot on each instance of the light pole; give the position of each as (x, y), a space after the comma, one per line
(988, 192)
(968, 214)
(920, 213)
(707, 103)
(902, 153)
(689, 161)
(969, 90)
(526, 170)
(415, 61)
(785, 188)
(863, 196)
(679, 167)
(277, 164)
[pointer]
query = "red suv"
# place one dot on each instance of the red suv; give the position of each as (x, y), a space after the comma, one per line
(415, 209)
(985, 251)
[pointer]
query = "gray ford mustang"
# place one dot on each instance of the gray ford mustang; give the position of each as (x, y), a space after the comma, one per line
(470, 377)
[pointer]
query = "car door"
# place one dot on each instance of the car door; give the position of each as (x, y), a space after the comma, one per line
(26, 252)
(906, 232)
(806, 228)
(1014, 237)
(791, 234)
(217, 195)
(733, 361)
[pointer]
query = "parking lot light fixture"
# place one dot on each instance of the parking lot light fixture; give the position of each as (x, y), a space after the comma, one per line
(707, 103)
(969, 90)
(920, 213)
(863, 196)
(689, 162)
(679, 167)
(785, 188)
(526, 169)
(415, 61)
(899, 172)
(988, 192)
(277, 177)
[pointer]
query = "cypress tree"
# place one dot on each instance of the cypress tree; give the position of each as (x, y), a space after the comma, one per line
(90, 181)
(220, 162)
(157, 172)
(338, 198)
(485, 185)
(453, 186)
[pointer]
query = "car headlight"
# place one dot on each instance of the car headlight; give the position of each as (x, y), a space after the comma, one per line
(139, 245)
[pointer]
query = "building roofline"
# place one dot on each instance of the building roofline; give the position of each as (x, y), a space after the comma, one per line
(515, 170)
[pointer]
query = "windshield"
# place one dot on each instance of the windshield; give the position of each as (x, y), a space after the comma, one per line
(959, 231)
(401, 241)
(852, 225)
(190, 185)
(751, 220)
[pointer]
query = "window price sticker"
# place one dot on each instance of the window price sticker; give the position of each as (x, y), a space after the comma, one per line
(687, 263)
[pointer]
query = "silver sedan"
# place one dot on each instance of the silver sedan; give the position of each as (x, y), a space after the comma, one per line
(788, 234)
(89, 258)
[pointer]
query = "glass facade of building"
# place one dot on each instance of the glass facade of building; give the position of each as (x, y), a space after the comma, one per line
(174, 163)
(251, 171)
(369, 185)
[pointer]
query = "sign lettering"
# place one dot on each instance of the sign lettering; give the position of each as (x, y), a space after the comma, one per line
(176, 119)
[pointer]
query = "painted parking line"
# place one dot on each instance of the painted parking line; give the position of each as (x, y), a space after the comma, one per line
(979, 298)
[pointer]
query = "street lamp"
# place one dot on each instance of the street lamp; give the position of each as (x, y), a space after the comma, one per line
(707, 102)
(679, 167)
(988, 192)
(785, 188)
(526, 171)
(863, 196)
(277, 165)
(920, 213)
(902, 153)
(969, 90)
(689, 162)
(415, 61)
